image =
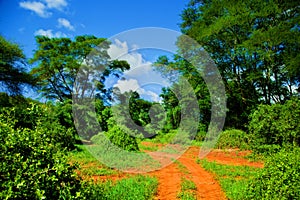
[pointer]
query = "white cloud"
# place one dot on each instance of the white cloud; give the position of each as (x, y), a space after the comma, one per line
(56, 4)
(62, 22)
(127, 85)
(133, 85)
(37, 7)
(140, 73)
(49, 33)
(117, 49)
(120, 50)
(42, 8)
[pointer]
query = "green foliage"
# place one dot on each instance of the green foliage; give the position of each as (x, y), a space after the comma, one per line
(165, 138)
(33, 167)
(40, 117)
(233, 179)
(274, 126)
(255, 45)
(137, 187)
(233, 138)
(188, 190)
(118, 135)
(121, 137)
(12, 67)
(279, 179)
(60, 59)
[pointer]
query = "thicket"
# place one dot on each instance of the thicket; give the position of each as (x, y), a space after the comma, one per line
(233, 138)
(275, 126)
(279, 179)
(33, 166)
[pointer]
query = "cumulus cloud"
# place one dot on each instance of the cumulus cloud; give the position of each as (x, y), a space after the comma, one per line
(140, 73)
(62, 22)
(41, 8)
(133, 85)
(49, 33)
(120, 50)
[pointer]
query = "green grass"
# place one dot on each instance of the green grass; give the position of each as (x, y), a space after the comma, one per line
(153, 147)
(188, 190)
(137, 187)
(181, 167)
(188, 187)
(233, 179)
(196, 143)
(88, 164)
(123, 160)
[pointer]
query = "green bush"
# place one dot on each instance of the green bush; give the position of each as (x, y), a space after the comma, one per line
(279, 179)
(120, 136)
(275, 125)
(43, 118)
(32, 167)
(138, 187)
(232, 138)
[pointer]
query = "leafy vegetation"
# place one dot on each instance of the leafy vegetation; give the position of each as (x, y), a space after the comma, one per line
(233, 179)
(275, 126)
(279, 179)
(34, 167)
(13, 75)
(188, 190)
(137, 187)
(255, 45)
(233, 138)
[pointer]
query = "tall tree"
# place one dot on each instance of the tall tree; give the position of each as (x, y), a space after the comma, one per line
(255, 44)
(12, 67)
(182, 69)
(59, 60)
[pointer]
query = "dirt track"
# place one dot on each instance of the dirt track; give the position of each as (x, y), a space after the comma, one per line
(207, 187)
(170, 177)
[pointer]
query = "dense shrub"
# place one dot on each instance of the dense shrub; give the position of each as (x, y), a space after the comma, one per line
(43, 118)
(232, 138)
(33, 167)
(274, 126)
(121, 137)
(279, 179)
(118, 135)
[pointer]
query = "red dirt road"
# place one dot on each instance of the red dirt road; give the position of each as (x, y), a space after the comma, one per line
(170, 178)
(207, 187)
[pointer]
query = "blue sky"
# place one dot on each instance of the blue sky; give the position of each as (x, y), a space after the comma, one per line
(21, 20)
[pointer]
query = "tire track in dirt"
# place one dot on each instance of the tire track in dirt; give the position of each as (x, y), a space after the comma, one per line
(168, 182)
(170, 179)
(207, 186)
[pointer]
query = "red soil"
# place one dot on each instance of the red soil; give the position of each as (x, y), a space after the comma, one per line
(207, 187)
(168, 182)
(169, 177)
(232, 157)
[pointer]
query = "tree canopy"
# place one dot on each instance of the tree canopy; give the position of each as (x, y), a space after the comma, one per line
(60, 59)
(13, 75)
(255, 45)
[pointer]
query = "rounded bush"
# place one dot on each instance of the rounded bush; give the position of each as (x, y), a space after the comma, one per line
(279, 179)
(232, 138)
(120, 136)
(275, 125)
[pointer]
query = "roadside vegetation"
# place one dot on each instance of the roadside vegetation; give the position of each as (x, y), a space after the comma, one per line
(255, 45)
